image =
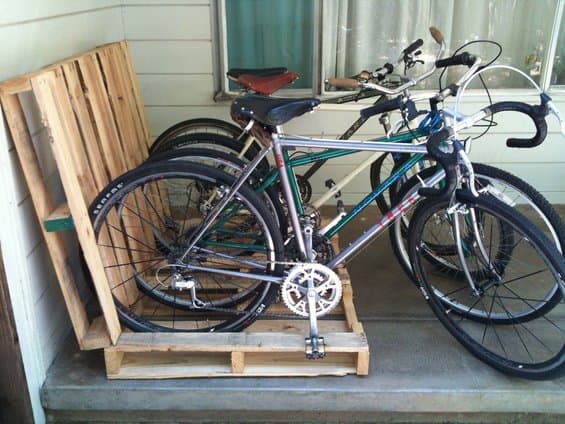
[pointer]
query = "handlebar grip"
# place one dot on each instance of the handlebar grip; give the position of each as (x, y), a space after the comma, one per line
(447, 160)
(343, 83)
(414, 46)
(535, 113)
(387, 106)
(436, 35)
(459, 59)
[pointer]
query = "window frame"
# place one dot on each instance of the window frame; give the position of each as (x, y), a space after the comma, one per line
(318, 86)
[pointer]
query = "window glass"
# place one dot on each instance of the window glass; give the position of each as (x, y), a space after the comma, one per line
(267, 33)
(558, 71)
(365, 34)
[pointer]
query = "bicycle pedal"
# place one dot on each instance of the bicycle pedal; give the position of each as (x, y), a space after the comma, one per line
(315, 350)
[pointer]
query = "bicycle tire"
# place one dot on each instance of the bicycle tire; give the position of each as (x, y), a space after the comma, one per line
(143, 218)
(216, 142)
(533, 348)
(200, 125)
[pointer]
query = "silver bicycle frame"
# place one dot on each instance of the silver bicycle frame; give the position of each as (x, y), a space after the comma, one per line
(278, 142)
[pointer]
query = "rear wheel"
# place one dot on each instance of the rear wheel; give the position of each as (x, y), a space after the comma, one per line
(241, 150)
(144, 223)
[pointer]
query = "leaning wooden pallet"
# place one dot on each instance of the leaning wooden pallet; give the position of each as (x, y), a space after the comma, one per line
(92, 109)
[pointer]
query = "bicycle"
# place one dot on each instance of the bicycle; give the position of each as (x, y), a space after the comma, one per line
(496, 182)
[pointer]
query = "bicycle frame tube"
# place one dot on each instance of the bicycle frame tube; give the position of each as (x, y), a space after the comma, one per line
(349, 132)
(318, 157)
(382, 223)
(372, 196)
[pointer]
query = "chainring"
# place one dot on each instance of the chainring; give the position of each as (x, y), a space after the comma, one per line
(327, 285)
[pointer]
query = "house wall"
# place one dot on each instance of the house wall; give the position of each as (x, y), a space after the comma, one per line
(35, 33)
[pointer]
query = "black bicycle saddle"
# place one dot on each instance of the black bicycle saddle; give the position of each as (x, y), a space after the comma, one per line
(272, 111)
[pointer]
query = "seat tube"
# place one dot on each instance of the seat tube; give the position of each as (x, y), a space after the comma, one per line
(288, 194)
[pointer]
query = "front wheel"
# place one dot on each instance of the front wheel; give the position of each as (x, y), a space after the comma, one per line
(500, 313)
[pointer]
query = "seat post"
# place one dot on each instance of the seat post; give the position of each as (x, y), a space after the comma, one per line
(287, 192)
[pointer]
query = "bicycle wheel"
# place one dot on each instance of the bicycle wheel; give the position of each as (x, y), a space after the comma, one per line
(197, 125)
(517, 334)
(506, 187)
(144, 223)
(215, 142)
(233, 166)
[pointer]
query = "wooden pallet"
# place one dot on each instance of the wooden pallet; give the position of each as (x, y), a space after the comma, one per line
(92, 109)
(269, 347)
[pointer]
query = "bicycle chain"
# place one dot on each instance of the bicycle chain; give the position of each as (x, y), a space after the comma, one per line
(263, 314)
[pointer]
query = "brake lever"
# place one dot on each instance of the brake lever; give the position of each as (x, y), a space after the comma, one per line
(467, 166)
(551, 108)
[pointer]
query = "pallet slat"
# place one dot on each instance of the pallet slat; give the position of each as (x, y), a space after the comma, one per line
(49, 90)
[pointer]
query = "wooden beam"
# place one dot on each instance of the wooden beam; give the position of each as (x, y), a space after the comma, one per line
(55, 107)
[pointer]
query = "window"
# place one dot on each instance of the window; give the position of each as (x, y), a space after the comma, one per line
(268, 34)
(325, 38)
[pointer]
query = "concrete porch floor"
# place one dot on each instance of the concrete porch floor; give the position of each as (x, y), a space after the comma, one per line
(418, 373)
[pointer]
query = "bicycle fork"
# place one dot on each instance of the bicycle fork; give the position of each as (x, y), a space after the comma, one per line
(477, 241)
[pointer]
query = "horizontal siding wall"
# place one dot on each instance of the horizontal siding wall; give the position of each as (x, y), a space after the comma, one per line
(36, 33)
(171, 46)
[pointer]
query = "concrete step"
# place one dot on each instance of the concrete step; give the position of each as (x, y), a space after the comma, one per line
(418, 373)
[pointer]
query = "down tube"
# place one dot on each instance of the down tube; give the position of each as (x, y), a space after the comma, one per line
(373, 195)
(382, 223)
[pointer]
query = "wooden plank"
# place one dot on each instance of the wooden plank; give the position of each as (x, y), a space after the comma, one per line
(234, 342)
(15, 403)
(131, 107)
(97, 335)
(59, 220)
(113, 360)
(117, 97)
(88, 131)
(153, 365)
(363, 363)
(52, 109)
(44, 207)
(136, 92)
(237, 362)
